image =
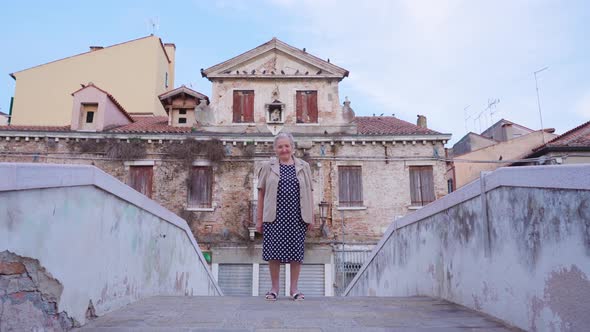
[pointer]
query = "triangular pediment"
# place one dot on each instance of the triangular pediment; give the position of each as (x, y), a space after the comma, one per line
(275, 59)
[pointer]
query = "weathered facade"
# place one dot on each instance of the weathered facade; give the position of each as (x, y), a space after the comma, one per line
(201, 161)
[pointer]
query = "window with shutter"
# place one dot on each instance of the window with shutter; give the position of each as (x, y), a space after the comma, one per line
(141, 179)
(201, 183)
(306, 107)
(243, 106)
(350, 191)
(421, 185)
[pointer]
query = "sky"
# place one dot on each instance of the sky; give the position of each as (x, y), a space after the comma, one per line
(446, 60)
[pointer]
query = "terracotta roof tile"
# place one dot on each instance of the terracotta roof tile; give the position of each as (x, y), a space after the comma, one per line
(577, 137)
(389, 125)
(367, 125)
(156, 124)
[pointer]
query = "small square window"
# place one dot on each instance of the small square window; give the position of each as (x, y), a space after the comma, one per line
(181, 120)
(89, 117)
(182, 111)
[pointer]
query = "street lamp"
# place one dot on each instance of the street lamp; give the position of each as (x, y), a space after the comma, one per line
(324, 207)
(252, 224)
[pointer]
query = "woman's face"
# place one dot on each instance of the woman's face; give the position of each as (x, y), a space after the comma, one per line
(283, 148)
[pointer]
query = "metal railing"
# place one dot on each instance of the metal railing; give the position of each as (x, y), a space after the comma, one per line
(347, 264)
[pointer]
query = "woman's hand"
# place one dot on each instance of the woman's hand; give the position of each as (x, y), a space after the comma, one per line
(259, 227)
(310, 225)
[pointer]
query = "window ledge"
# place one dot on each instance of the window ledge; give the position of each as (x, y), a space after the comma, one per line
(307, 124)
(351, 208)
(211, 209)
(415, 207)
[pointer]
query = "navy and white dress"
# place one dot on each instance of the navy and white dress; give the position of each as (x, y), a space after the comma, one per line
(283, 239)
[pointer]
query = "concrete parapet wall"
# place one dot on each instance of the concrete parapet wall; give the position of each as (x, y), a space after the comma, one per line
(104, 243)
(519, 252)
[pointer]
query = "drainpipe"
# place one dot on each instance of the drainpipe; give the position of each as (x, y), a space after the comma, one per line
(10, 110)
(342, 259)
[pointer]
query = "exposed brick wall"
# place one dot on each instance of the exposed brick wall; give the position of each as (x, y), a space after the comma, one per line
(29, 296)
(386, 188)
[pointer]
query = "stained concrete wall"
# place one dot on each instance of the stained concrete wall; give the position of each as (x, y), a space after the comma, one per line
(101, 240)
(531, 269)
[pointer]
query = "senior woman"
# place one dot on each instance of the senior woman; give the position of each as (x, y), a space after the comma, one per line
(285, 212)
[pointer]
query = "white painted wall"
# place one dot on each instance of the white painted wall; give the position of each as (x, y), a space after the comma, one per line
(102, 240)
(532, 273)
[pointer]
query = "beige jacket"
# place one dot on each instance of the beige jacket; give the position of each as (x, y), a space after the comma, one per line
(268, 179)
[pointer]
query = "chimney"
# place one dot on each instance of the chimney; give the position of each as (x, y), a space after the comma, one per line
(421, 121)
(95, 48)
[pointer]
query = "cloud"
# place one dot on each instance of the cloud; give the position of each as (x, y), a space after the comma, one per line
(434, 57)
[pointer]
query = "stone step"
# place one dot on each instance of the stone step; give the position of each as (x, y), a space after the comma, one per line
(226, 313)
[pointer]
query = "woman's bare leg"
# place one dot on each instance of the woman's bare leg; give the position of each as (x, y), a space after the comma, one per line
(295, 270)
(275, 268)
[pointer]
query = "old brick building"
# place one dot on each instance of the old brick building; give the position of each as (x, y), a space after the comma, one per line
(200, 160)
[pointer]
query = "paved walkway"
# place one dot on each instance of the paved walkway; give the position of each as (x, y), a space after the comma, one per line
(339, 314)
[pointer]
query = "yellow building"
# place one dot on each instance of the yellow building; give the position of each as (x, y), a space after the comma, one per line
(136, 72)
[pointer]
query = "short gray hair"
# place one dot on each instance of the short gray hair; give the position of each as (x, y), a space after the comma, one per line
(284, 135)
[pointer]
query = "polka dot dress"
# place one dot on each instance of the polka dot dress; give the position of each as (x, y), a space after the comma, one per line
(283, 239)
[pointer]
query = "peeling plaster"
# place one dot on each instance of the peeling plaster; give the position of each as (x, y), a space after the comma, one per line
(536, 277)
(567, 294)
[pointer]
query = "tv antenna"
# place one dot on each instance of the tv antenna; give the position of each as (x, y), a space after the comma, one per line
(491, 108)
(539, 100)
(154, 25)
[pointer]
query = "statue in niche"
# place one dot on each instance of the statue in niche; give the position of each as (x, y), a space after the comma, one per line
(275, 115)
(275, 111)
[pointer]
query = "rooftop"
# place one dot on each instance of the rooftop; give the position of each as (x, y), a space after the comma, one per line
(577, 137)
(367, 125)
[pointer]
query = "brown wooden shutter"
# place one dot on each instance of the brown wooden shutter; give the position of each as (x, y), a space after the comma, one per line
(350, 186)
(415, 186)
(356, 186)
(421, 185)
(427, 181)
(201, 185)
(306, 106)
(248, 104)
(243, 106)
(299, 106)
(237, 107)
(312, 106)
(343, 186)
(141, 179)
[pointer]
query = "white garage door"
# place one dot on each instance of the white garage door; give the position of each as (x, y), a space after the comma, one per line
(235, 279)
(311, 280)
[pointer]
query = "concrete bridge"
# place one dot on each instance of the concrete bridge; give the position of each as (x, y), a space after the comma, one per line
(80, 249)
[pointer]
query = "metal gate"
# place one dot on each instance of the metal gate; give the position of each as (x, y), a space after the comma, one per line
(264, 283)
(312, 280)
(348, 263)
(235, 279)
